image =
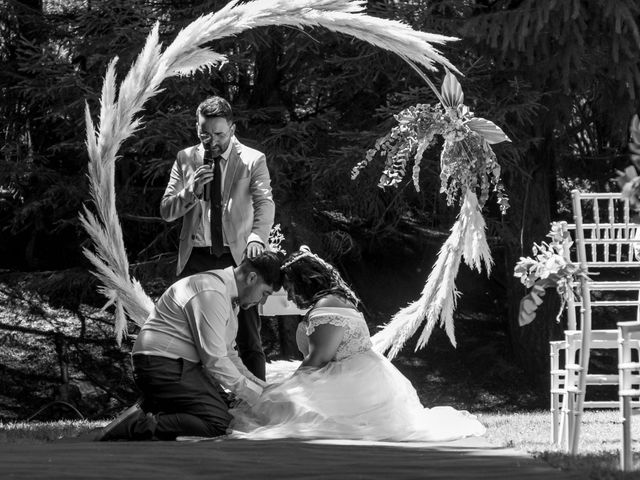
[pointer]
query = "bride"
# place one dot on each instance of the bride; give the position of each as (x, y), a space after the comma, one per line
(342, 389)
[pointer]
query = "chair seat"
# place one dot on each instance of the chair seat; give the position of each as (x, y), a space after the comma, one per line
(629, 393)
(613, 286)
(601, 404)
(602, 379)
(574, 367)
(630, 327)
(629, 366)
(601, 334)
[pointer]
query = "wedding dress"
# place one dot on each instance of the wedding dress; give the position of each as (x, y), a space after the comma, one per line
(359, 395)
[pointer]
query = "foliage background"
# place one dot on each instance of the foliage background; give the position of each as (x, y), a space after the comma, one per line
(561, 78)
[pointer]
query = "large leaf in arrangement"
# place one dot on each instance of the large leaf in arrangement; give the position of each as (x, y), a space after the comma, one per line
(529, 304)
(451, 91)
(634, 129)
(487, 130)
(624, 178)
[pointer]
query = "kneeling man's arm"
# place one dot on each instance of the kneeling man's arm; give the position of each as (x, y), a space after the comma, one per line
(208, 313)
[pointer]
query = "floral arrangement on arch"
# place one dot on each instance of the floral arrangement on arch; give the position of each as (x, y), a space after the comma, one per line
(276, 237)
(629, 181)
(549, 267)
(467, 160)
(469, 173)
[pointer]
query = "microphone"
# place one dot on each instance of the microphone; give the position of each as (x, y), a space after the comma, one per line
(207, 160)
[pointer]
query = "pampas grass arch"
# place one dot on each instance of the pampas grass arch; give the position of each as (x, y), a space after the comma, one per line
(118, 119)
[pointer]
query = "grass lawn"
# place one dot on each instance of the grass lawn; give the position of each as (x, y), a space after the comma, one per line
(600, 441)
(41, 432)
(528, 432)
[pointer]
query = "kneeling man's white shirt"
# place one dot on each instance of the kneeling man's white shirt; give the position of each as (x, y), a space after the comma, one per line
(196, 319)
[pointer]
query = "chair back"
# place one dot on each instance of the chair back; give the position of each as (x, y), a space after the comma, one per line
(606, 235)
(607, 246)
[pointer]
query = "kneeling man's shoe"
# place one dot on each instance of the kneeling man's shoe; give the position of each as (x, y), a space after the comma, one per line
(120, 428)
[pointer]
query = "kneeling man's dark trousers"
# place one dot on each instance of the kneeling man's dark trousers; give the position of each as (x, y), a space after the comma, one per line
(180, 399)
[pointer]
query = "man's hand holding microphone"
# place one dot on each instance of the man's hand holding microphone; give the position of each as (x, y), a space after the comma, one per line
(203, 176)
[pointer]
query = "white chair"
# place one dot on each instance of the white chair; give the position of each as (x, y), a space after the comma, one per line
(557, 376)
(629, 390)
(604, 246)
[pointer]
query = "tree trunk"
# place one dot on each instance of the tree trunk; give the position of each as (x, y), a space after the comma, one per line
(63, 363)
(532, 206)
(266, 88)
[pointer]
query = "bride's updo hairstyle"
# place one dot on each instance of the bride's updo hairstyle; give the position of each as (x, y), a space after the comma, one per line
(313, 278)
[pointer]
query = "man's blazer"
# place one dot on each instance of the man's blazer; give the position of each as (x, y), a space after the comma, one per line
(247, 203)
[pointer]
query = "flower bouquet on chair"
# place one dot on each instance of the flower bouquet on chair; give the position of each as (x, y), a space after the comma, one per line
(549, 267)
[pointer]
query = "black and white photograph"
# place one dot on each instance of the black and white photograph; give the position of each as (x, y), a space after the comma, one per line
(320, 239)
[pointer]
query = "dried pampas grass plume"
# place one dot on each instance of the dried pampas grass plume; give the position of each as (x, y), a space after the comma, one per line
(438, 299)
(118, 116)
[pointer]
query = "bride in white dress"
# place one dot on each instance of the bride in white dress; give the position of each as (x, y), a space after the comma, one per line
(342, 389)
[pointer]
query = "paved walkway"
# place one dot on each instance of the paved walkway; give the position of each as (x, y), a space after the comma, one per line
(272, 459)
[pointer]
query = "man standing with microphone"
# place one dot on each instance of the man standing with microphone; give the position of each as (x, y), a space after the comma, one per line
(222, 191)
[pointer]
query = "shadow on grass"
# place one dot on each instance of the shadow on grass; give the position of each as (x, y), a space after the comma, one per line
(270, 459)
(479, 375)
(594, 466)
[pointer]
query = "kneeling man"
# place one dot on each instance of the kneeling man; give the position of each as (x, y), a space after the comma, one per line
(186, 351)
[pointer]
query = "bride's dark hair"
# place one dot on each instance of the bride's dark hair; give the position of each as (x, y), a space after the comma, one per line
(314, 278)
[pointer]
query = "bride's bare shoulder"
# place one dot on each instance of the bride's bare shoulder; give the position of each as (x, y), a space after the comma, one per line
(333, 301)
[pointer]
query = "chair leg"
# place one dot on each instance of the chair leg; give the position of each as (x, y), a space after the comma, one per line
(581, 373)
(577, 424)
(576, 409)
(573, 416)
(556, 378)
(571, 403)
(555, 417)
(562, 430)
(565, 421)
(626, 459)
(568, 398)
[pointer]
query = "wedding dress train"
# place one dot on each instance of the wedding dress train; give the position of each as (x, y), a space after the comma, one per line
(359, 395)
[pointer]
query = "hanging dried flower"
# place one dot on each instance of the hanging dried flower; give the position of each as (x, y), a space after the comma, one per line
(467, 160)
